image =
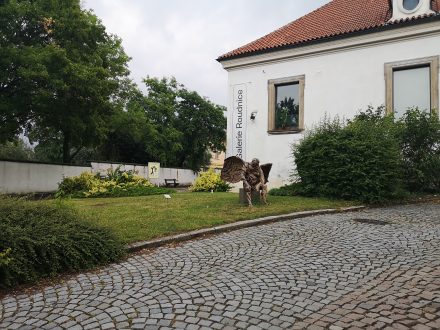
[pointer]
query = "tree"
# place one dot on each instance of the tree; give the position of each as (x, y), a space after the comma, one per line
(61, 74)
(203, 126)
(188, 124)
(170, 124)
(21, 74)
(16, 150)
(131, 137)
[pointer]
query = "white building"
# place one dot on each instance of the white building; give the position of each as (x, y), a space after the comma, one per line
(336, 60)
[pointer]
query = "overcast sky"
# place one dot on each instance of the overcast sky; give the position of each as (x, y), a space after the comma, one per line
(182, 38)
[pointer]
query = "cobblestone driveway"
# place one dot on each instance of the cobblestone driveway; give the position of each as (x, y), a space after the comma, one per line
(319, 272)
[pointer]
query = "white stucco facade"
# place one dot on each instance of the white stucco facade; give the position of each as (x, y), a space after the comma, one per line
(341, 78)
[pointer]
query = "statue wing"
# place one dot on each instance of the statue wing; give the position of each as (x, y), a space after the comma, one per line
(266, 170)
(233, 169)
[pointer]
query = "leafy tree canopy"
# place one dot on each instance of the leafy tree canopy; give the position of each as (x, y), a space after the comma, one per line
(16, 150)
(64, 84)
(61, 73)
(189, 125)
(132, 137)
(170, 124)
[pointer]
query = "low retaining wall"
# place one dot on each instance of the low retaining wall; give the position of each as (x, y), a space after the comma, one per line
(21, 177)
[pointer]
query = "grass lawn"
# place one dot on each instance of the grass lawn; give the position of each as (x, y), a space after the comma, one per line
(143, 218)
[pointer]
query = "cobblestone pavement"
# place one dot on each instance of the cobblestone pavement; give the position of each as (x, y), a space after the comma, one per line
(319, 272)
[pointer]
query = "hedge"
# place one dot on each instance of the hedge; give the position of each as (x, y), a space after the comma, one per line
(39, 240)
(419, 139)
(372, 158)
(359, 160)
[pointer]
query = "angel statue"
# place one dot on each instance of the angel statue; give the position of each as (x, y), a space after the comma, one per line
(253, 175)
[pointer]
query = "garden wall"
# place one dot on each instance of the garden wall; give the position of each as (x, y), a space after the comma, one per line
(185, 177)
(19, 177)
(28, 177)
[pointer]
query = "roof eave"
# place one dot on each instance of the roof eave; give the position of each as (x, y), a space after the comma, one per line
(380, 28)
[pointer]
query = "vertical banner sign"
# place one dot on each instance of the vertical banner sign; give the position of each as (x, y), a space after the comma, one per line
(153, 170)
(239, 119)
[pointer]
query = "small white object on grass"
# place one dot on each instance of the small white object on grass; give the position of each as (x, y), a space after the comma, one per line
(167, 196)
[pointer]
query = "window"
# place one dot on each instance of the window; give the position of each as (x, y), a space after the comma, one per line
(412, 83)
(410, 4)
(286, 105)
(403, 9)
(411, 89)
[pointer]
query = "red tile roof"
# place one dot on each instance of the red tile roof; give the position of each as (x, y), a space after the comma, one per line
(337, 18)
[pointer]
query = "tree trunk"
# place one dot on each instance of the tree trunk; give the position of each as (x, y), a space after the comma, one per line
(66, 148)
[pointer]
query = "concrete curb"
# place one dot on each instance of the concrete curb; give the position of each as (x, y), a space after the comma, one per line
(233, 226)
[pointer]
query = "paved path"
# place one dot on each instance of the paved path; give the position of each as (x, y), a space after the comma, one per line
(319, 272)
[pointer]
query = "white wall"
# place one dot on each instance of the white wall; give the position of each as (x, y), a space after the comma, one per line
(22, 178)
(185, 177)
(141, 170)
(340, 83)
(28, 177)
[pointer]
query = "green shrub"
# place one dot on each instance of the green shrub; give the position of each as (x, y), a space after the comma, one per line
(209, 181)
(120, 176)
(5, 258)
(40, 240)
(116, 184)
(420, 144)
(287, 190)
(76, 184)
(358, 159)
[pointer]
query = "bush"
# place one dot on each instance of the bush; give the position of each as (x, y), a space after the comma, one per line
(209, 181)
(40, 240)
(358, 159)
(287, 190)
(5, 258)
(420, 144)
(76, 185)
(117, 183)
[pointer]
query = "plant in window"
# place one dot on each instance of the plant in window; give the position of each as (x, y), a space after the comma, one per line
(287, 113)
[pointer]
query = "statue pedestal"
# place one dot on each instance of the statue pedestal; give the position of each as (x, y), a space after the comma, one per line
(255, 196)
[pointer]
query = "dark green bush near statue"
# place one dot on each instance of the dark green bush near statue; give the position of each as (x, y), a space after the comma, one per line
(292, 189)
(372, 158)
(39, 240)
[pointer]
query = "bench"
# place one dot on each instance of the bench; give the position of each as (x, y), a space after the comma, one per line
(171, 182)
